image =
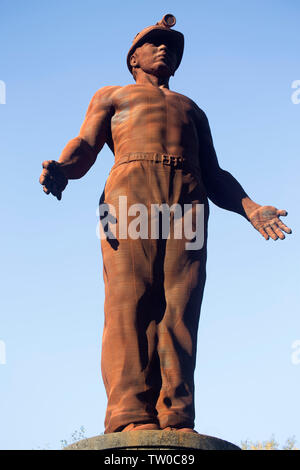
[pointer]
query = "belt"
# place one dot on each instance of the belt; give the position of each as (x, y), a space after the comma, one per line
(171, 160)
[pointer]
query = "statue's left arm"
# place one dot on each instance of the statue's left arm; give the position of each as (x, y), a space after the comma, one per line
(226, 192)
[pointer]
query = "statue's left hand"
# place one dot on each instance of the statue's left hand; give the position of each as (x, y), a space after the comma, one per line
(266, 220)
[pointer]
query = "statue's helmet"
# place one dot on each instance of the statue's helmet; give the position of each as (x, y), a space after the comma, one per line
(162, 30)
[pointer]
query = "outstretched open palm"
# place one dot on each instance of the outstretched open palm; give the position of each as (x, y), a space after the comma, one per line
(266, 220)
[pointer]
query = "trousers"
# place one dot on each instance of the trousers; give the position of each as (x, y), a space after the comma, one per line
(153, 293)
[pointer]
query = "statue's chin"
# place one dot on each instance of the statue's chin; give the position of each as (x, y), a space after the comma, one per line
(162, 71)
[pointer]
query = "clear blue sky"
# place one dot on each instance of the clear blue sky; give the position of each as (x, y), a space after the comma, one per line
(239, 63)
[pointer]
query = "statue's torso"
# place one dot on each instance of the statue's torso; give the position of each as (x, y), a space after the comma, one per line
(150, 119)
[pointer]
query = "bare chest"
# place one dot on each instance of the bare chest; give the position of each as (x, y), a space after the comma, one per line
(140, 106)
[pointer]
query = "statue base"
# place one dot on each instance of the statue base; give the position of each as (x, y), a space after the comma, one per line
(152, 440)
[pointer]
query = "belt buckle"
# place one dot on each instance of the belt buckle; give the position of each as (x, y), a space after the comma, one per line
(170, 160)
(157, 158)
(173, 160)
(166, 159)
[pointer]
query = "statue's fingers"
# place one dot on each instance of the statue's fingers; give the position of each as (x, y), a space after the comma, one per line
(283, 227)
(49, 185)
(60, 185)
(45, 177)
(282, 212)
(45, 164)
(270, 232)
(55, 189)
(49, 164)
(42, 179)
(277, 230)
(263, 233)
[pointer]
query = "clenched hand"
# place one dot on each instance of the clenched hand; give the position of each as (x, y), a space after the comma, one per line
(266, 220)
(53, 179)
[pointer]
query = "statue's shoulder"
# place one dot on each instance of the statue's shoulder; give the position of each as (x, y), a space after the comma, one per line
(113, 93)
(104, 98)
(200, 114)
(189, 101)
(106, 91)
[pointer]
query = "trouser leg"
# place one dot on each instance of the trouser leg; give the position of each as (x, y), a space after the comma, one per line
(184, 281)
(177, 344)
(133, 307)
(129, 360)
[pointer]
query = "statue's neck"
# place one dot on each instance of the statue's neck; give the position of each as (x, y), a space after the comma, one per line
(143, 78)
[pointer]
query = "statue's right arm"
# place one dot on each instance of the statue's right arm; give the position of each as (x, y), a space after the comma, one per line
(226, 192)
(81, 152)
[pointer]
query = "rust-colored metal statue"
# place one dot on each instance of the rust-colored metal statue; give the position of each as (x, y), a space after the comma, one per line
(164, 154)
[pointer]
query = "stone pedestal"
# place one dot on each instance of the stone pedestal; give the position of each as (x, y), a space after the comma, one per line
(152, 440)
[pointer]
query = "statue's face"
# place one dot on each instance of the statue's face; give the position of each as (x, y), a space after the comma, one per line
(157, 57)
